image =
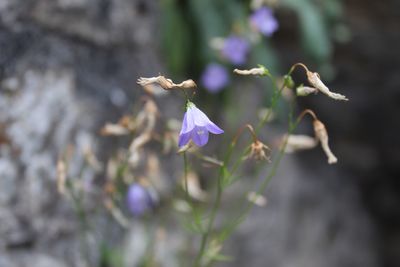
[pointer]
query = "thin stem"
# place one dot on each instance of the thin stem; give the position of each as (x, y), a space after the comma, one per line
(186, 167)
(264, 184)
(216, 205)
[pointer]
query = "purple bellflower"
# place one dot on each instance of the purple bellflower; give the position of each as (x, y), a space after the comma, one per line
(264, 21)
(235, 49)
(138, 199)
(196, 127)
(214, 78)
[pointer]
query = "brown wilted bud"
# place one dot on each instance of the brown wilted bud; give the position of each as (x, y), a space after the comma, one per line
(61, 176)
(322, 135)
(305, 90)
(257, 151)
(254, 71)
(166, 84)
(315, 81)
(299, 142)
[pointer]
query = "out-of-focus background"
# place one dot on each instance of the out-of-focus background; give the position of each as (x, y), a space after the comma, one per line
(69, 66)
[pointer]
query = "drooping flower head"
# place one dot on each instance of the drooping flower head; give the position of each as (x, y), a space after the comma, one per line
(214, 78)
(264, 21)
(138, 199)
(196, 127)
(235, 49)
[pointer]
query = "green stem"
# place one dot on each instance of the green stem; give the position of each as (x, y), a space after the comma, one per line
(186, 167)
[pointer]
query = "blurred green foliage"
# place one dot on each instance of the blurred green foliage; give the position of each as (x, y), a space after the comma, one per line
(189, 25)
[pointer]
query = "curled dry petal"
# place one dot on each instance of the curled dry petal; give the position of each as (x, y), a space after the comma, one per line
(253, 71)
(322, 136)
(165, 83)
(315, 80)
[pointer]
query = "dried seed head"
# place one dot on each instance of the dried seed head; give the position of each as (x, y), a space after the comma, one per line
(322, 135)
(299, 142)
(165, 83)
(254, 71)
(315, 81)
(305, 90)
(257, 151)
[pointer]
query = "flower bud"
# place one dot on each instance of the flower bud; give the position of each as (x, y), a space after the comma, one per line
(288, 81)
(305, 90)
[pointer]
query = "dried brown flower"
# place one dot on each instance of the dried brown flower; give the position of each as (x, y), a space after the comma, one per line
(166, 84)
(315, 80)
(257, 151)
(322, 135)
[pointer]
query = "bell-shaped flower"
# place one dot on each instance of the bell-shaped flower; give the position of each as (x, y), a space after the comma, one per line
(214, 78)
(196, 127)
(264, 21)
(138, 199)
(235, 49)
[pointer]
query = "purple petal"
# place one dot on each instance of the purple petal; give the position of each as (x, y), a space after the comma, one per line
(184, 139)
(213, 128)
(187, 123)
(200, 136)
(200, 119)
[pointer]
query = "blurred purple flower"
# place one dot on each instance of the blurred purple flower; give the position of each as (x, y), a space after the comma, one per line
(195, 127)
(138, 199)
(264, 21)
(235, 49)
(214, 77)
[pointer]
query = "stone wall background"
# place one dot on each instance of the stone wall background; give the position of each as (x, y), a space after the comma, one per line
(67, 66)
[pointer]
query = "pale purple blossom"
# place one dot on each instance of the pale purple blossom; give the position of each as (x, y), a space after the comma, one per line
(196, 127)
(214, 78)
(235, 49)
(264, 21)
(138, 199)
